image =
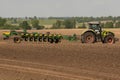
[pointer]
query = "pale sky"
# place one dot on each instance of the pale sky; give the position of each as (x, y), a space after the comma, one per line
(59, 8)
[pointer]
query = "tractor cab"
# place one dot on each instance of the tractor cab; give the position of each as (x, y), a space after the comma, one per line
(96, 27)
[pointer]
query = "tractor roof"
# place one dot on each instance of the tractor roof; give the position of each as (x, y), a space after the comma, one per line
(95, 23)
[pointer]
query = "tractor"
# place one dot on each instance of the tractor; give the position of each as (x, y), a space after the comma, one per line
(94, 33)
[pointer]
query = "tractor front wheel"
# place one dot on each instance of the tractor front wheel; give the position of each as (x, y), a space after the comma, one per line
(109, 39)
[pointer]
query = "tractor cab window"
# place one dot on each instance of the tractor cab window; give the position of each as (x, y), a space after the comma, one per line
(94, 27)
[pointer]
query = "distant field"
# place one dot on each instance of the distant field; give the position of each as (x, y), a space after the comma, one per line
(47, 21)
(52, 21)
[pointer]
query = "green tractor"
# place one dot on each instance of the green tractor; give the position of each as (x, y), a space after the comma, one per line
(94, 33)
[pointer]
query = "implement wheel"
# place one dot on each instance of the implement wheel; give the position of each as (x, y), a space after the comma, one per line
(50, 40)
(31, 39)
(56, 40)
(40, 39)
(26, 39)
(17, 39)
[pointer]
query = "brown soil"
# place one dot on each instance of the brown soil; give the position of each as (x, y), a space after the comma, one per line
(63, 61)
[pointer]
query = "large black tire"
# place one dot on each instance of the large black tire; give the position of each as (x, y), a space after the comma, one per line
(35, 39)
(17, 40)
(50, 40)
(109, 39)
(40, 39)
(88, 37)
(26, 39)
(56, 40)
(45, 39)
(31, 38)
(5, 38)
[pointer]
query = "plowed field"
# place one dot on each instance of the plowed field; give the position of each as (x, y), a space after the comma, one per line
(62, 61)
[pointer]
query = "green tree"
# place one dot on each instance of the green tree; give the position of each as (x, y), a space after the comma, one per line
(14, 21)
(35, 17)
(35, 24)
(109, 25)
(25, 25)
(83, 25)
(117, 25)
(2, 22)
(11, 27)
(57, 25)
(74, 22)
(69, 23)
(102, 25)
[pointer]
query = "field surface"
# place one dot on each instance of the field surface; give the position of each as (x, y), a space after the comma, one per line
(63, 61)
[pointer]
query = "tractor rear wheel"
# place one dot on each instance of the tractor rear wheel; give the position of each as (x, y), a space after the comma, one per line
(88, 37)
(109, 39)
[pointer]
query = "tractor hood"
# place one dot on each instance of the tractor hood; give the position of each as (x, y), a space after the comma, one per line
(87, 30)
(105, 33)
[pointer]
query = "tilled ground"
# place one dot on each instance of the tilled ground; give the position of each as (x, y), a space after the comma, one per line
(63, 61)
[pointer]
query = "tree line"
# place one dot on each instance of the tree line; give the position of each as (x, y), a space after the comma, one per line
(78, 19)
(25, 24)
(61, 22)
(72, 24)
(89, 19)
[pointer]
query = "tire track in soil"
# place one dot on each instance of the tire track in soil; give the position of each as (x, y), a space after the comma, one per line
(57, 71)
(44, 72)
